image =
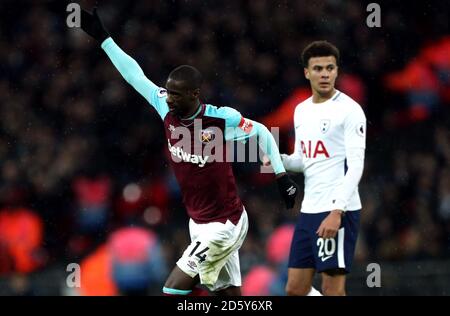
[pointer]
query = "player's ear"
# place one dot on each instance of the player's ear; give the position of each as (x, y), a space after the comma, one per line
(306, 71)
(196, 93)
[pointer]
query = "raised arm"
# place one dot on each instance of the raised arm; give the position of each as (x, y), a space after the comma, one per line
(127, 66)
(133, 74)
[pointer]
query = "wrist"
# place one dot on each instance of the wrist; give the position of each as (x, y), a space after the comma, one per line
(104, 42)
(338, 212)
(103, 37)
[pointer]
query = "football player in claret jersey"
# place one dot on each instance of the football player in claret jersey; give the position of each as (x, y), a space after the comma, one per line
(330, 137)
(218, 220)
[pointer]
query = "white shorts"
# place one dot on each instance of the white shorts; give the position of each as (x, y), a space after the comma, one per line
(213, 253)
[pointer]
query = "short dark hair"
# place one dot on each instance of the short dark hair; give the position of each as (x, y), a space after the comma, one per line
(319, 49)
(188, 74)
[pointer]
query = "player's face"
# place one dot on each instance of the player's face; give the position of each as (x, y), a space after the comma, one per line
(322, 73)
(181, 100)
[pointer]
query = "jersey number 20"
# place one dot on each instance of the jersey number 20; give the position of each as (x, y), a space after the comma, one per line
(327, 247)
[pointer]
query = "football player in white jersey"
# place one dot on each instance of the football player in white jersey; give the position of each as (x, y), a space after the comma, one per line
(330, 133)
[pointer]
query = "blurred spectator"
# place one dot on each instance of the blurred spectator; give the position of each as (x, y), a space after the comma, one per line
(96, 274)
(257, 282)
(277, 253)
(150, 199)
(131, 262)
(21, 236)
(137, 261)
(279, 244)
(92, 196)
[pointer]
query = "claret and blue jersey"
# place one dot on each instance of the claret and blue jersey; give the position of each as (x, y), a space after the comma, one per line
(205, 177)
(207, 183)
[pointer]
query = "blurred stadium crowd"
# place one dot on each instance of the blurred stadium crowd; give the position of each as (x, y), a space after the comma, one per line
(82, 156)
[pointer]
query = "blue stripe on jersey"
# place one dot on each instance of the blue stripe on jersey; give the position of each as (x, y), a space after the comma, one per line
(337, 96)
(345, 166)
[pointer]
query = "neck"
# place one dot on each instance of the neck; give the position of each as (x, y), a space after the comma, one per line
(319, 98)
(193, 113)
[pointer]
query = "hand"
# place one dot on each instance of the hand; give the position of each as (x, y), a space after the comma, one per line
(288, 189)
(92, 25)
(330, 225)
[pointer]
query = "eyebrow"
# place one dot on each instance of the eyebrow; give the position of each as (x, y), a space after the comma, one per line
(173, 91)
(324, 66)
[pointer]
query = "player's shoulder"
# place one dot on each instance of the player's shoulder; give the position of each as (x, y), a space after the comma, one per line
(302, 105)
(346, 100)
(221, 112)
(347, 104)
(231, 116)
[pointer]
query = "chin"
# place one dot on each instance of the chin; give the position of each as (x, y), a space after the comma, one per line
(325, 90)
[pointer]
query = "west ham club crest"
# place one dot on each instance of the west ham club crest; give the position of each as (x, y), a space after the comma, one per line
(206, 135)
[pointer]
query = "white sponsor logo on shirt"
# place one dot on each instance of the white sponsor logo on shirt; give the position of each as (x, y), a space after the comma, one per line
(179, 153)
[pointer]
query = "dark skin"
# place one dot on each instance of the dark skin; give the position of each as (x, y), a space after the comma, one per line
(181, 281)
(183, 100)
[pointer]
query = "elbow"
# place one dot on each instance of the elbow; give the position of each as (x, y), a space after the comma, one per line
(133, 73)
(261, 129)
(356, 172)
(128, 76)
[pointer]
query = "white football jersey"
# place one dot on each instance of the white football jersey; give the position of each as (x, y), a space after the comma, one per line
(326, 134)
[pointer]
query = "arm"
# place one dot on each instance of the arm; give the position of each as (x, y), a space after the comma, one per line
(267, 144)
(127, 66)
(294, 161)
(241, 129)
(355, 163)
(133, 74)
(238, 128)
(355, 144)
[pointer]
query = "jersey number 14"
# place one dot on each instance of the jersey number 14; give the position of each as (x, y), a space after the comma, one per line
(201, 255)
